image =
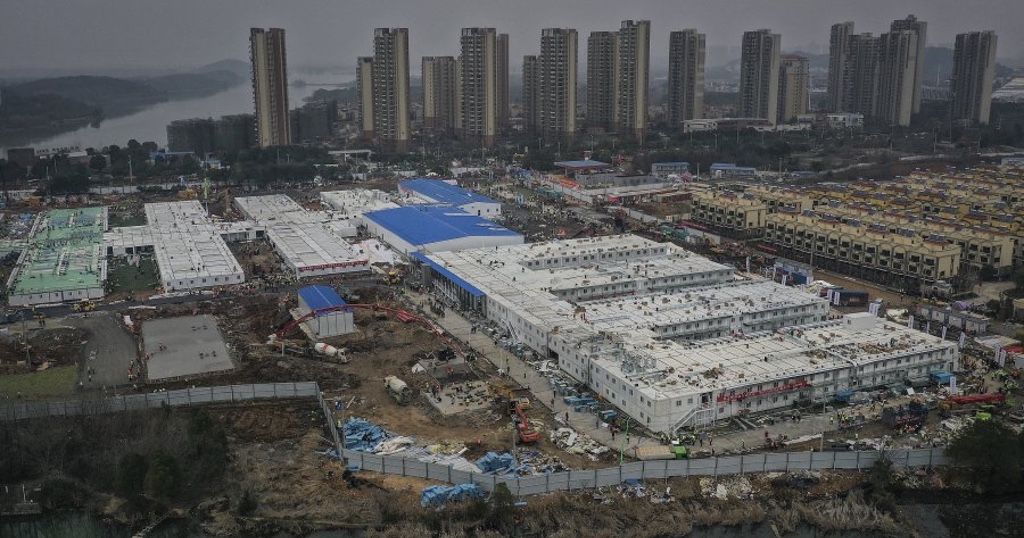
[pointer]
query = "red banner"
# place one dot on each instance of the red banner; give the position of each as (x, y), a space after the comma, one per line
(333, 265)
(723, 398)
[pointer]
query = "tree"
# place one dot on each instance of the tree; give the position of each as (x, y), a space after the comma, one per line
(163, 478)
(97, 162)
(132, 471)
(993, 451)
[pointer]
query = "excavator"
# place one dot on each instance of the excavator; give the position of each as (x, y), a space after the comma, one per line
(527, 435)
(85, 305)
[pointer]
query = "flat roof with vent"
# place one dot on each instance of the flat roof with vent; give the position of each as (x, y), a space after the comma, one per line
(64, 253)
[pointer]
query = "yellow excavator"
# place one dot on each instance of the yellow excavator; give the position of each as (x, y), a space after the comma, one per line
(85, 305)
(392, 277)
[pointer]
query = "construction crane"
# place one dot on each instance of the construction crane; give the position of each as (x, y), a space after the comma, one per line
(527, 435)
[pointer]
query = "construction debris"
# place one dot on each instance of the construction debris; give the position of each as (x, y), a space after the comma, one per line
(439, 495)
(577, 443)
(362, 436)
(497, 464)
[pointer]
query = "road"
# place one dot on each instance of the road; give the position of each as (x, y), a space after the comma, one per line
(107, 352)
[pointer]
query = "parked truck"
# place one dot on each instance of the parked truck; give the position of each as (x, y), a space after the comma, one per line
(398, 389)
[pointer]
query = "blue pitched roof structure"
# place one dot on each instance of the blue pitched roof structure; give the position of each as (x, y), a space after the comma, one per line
(445, 193)
(319, 297)
(426, 224)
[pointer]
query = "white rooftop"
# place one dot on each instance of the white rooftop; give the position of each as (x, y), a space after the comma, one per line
(353, 203)
(187, 245)
(300, 236)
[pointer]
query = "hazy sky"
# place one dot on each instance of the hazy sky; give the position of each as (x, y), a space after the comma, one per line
(68, 34)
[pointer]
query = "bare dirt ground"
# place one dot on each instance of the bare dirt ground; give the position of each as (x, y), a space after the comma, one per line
(58, 345)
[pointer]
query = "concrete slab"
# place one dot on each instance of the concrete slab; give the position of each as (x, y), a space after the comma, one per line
(458, 398)
(183, 340)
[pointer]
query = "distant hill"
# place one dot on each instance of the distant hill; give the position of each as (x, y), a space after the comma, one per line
(193, 84)
(238, 67)
(22, 112)
(115, 96)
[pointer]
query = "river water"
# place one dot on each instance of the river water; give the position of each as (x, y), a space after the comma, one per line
(150, 124)
(83, 525)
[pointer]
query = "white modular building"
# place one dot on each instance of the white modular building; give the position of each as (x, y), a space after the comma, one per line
(190, 249)
(677, 340)
(302, 238)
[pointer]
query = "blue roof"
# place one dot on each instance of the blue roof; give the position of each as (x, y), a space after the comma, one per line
(456, 279)
(425, 224)
(588, 163)
(445, 193)
(319, 297)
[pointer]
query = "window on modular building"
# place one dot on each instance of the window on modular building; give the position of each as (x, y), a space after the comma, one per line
(679, 403)
(689, 400)
(648, 403)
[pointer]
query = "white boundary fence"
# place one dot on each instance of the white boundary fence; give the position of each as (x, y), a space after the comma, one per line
(648, 470)
(151, 400)
(527, 485)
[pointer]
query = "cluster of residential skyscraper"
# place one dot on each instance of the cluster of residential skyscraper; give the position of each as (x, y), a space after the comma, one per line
(881, 76)
(467, 96)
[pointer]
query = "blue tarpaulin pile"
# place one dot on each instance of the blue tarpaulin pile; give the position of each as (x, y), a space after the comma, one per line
(362, 436)
(438, 495)
(497, 464)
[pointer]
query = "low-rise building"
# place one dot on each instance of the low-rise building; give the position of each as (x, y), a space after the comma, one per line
(435, 191)
(739, 215)
(674, 339)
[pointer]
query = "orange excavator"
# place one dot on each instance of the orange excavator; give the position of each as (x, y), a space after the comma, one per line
(527, 435)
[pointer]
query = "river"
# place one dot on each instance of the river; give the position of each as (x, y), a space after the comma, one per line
(83, 525)
(150, 124)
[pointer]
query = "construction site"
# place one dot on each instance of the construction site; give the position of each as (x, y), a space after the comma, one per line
(507, 359)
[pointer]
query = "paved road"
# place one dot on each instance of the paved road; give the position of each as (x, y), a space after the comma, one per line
(114, 348)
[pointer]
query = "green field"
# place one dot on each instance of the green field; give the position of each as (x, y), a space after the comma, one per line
(50, 382)
(122, 277)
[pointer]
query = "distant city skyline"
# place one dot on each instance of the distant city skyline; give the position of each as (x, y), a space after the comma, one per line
(113, 34)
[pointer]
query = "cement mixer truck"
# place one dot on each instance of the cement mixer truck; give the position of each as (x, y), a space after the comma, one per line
(398, 389)
(331, 351)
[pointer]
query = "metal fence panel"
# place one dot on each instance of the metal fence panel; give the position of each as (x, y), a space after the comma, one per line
(460, 477)
(702, 467)
(440, 472)
(677, 468)
(533, 485)
(558, 481)
(798, 460)
(845, 460)
(582, 479)
(729, 465)
(656, 469)
(822, 460)
(776, 462)
(632, 470)
(394, 465)
(607, 477)
(751, 463)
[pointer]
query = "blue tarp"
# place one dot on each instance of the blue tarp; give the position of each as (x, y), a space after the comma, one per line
(438, 495)
(362, 436)
(498, 464)
(940, 376)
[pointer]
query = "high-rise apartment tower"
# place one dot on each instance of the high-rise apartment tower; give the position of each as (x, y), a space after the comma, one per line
(686, 51)
(974, 67)
(759, 75)
(270, 86)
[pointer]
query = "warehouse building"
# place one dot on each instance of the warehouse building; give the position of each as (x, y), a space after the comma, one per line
(303, 239)
(434, 228)
(189, 248)
(326, 319)
(62, 260)
(677, 340)
(436, 191)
